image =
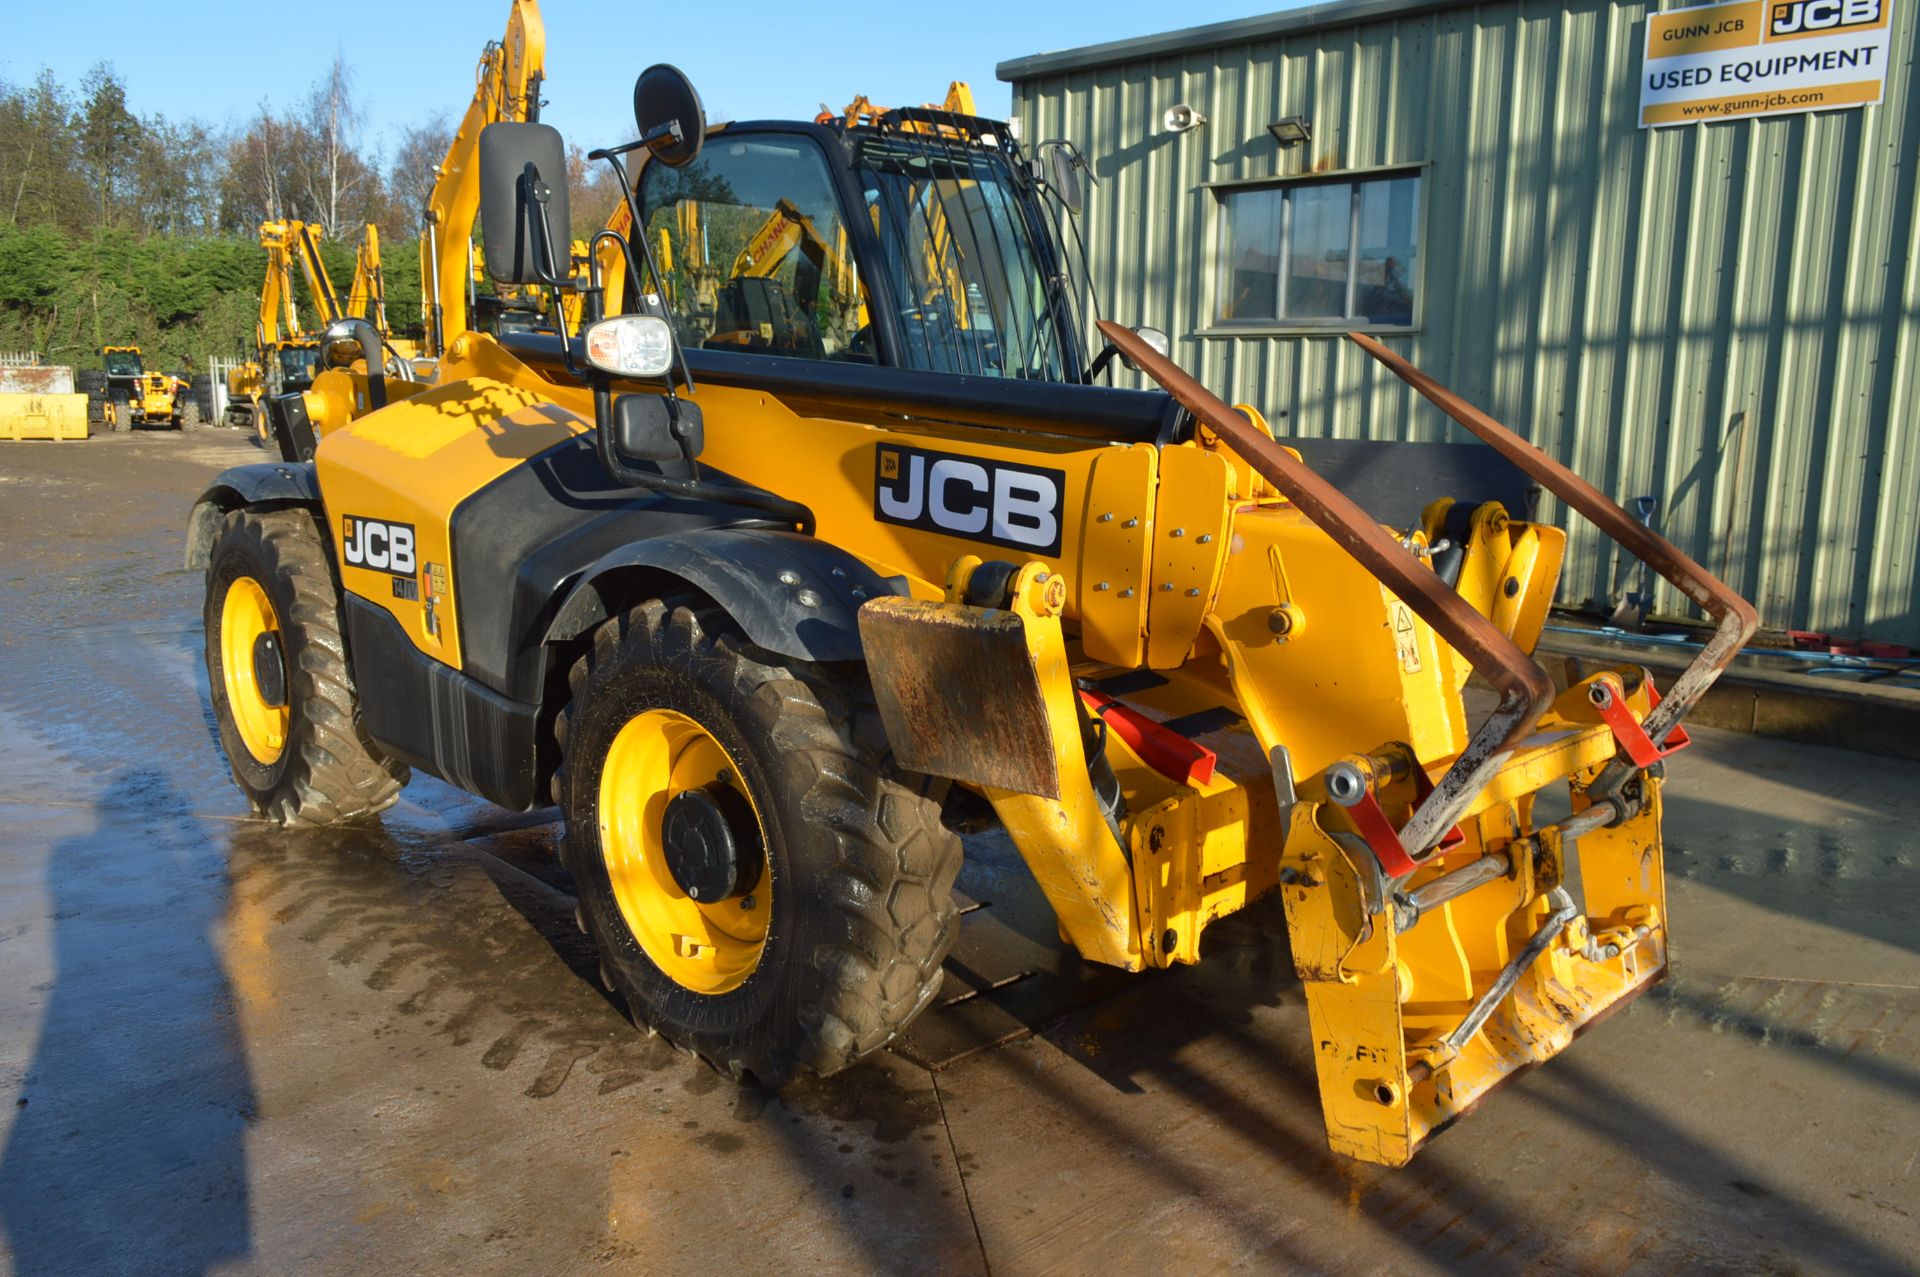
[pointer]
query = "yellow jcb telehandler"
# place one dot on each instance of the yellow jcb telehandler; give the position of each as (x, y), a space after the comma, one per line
(136, 397)
(750, 615)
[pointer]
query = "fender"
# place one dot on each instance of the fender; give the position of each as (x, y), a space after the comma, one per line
(264, 483)
(790, 593)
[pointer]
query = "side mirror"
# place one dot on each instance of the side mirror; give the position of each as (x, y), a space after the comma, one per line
(667, 111)
(1063, 174)
(1062, 167)
(524, 219)
(1161, 343)
(349, 339)
(656, 428)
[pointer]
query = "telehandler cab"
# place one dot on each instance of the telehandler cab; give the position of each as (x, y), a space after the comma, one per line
(749, 608)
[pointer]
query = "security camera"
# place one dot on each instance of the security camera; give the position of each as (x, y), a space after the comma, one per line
(1178, 119)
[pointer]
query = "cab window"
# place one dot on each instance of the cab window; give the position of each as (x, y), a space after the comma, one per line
(754, 252)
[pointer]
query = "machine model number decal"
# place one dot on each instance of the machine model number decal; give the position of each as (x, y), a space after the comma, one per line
(994, 501)
(381, 546)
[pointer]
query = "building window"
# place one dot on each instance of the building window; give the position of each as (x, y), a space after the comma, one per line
(1321, 251)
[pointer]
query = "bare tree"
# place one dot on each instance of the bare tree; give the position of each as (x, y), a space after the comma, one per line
(259, 174)
(415, 168)
(333, 177)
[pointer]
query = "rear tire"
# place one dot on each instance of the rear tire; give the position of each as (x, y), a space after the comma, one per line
(325, 769)
(121, 410)
(858, 870)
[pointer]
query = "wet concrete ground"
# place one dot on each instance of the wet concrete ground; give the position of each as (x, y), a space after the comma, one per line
(225, 1048)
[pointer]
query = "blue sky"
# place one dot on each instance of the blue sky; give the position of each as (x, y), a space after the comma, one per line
(221, 59)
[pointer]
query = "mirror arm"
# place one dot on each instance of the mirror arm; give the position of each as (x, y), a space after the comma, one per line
(635, 228)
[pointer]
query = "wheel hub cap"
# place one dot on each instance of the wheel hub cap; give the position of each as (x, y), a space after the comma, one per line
(711, 842)
(269, 671)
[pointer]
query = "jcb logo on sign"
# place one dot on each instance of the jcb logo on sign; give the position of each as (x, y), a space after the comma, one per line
(994, 501)
(1818, 17)
(381, 546)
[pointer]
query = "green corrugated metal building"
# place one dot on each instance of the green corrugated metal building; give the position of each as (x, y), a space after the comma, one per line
(1723, 315)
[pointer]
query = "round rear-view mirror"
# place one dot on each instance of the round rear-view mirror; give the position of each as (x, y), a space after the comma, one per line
(667, 111)
(1064, 175)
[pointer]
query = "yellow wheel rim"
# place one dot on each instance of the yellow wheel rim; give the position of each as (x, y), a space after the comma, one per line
(705, 947)
(246, 614)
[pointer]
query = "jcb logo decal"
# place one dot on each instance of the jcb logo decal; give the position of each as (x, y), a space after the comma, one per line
(993, 501)
(381, 546)
(1817, 17)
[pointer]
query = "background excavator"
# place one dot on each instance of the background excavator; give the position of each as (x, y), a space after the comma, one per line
(367, 294)
(288, 354)
(764, 620)
(506, 89)
(285, 350)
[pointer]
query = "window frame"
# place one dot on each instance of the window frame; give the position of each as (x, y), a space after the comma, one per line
(1218, 192)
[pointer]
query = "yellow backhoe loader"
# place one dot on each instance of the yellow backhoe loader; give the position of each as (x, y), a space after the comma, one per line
(754, 617)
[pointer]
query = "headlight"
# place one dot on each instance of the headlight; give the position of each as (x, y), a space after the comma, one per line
(631, 346)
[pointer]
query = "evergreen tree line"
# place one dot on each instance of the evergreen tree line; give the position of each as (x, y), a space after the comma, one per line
(124, 229)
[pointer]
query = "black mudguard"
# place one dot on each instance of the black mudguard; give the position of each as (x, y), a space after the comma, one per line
(791, 594)
(270, 484)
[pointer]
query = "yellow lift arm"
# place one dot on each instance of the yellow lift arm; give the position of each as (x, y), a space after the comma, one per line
(367, 295)
(278, 316)
(508, 88)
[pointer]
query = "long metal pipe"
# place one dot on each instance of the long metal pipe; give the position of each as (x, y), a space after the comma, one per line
(1524, 688)
(1736, 617)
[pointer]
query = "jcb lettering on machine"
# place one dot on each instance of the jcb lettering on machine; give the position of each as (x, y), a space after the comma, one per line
(1004, 504)
(375, 544)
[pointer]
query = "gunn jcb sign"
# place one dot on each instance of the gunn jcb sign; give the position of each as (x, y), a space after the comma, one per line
(1763, 57)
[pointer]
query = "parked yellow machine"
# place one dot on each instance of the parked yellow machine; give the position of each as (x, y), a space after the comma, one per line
(749, 615)
(287, 351)
(137, 397)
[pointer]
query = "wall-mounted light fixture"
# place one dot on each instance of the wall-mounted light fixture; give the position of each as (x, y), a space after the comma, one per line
(1292, 130)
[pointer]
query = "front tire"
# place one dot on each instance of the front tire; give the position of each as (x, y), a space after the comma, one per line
(848, 864)
(283, 697)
